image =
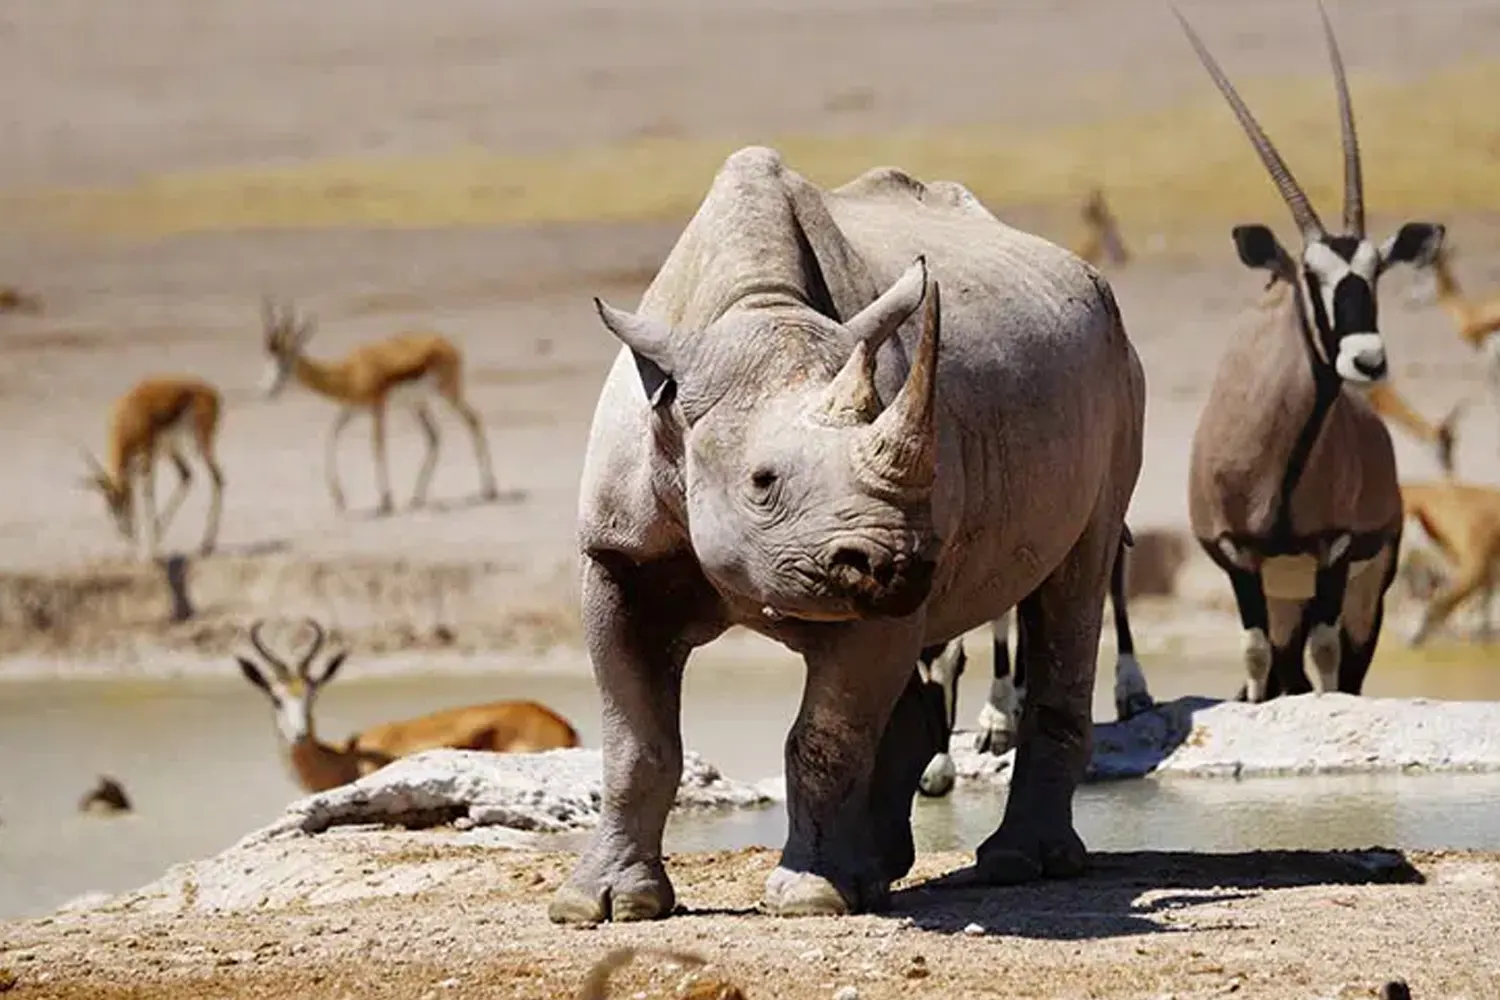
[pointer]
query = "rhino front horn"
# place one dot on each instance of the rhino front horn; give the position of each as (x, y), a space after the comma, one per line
(901, 448)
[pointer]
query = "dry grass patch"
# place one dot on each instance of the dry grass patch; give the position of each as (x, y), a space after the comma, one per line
(1430, 147)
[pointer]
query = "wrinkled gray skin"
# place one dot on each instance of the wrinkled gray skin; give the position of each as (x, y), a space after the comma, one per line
(743, 469)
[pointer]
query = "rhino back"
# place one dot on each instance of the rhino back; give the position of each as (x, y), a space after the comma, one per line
(1040, 393)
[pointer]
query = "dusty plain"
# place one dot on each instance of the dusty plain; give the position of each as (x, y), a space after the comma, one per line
(484, 169)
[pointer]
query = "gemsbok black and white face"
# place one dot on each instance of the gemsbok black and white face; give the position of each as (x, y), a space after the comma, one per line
(1338, 273)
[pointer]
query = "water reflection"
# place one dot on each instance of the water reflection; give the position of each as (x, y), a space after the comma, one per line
(199, 760)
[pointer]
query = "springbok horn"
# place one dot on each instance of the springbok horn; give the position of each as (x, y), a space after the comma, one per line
(260, 647)
(902, 446)
(1296, 200)
(319, 636)
(1354, 188)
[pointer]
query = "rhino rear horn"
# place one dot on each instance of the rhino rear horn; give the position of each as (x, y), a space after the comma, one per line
(852, 392)
(650, 343)
(902, 444)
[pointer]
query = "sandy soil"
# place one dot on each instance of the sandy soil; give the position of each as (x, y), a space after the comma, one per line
(1294, 925)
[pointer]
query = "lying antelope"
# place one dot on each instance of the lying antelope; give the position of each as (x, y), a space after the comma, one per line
(407, 369)
(1463, 522)
(1101, 239)
(1292, 484)
(178, 415)
(940, 667)
(502, 726)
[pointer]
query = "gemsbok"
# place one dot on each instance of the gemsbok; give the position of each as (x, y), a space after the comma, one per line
(1292, 483)
(501, 726)
(940, 667)
(178, 415)
(406, 370)
(1463, 522)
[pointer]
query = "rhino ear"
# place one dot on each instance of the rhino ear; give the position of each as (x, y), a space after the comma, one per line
(650, 344)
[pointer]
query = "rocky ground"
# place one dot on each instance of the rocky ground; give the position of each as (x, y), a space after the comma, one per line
(430, 877)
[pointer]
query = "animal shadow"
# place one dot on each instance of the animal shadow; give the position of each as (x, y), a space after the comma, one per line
(1106, 902)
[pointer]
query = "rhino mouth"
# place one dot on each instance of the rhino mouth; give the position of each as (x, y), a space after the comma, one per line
(894, 591)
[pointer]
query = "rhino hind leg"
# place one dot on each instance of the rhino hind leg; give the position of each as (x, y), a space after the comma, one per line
(637, 620)
(849, 773)
(1057, 650)
(913, 738)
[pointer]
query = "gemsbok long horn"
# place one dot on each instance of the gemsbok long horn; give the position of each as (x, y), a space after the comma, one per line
(1291, 192)
(1354, 188)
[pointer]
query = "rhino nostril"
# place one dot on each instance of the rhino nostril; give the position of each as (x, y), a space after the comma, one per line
(853, 559)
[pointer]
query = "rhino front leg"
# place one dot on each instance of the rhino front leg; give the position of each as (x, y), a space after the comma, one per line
(1059, 643)
(638, 621)
(835, 859)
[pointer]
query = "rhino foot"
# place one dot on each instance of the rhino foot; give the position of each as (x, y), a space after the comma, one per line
(1012, 856)
(597, 893)
(803, 894)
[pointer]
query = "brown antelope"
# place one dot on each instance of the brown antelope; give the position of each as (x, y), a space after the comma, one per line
(175, 414)
(1463, 521)
(1292, 484)
(502, 726)
(1478, 320)
(1101, 237)
(1386, 401)
(407, 369)
(14, 300)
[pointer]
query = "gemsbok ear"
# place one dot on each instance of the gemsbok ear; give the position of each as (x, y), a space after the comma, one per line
(1258, 247)
(1415, 243)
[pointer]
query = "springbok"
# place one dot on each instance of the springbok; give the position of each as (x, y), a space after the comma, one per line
(1463, 522)
(1478, 320)
(173, 414)
(1386, 401)
(1101, 236)
(407, 369)
(940, 667)
(1292, 483)
(502, 726)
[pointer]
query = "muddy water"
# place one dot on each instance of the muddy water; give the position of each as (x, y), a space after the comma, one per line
(199, 760)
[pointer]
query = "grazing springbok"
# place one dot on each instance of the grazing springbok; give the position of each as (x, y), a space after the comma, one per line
(1292, 483)
(940, 666)
(1101, 237)
(502, 726)
(1463, 522)
(178, 415)
(407, 369)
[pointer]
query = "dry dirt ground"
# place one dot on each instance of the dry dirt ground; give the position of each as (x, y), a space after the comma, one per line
(1298, 925)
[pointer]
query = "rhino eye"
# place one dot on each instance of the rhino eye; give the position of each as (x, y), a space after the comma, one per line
(763, 479)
